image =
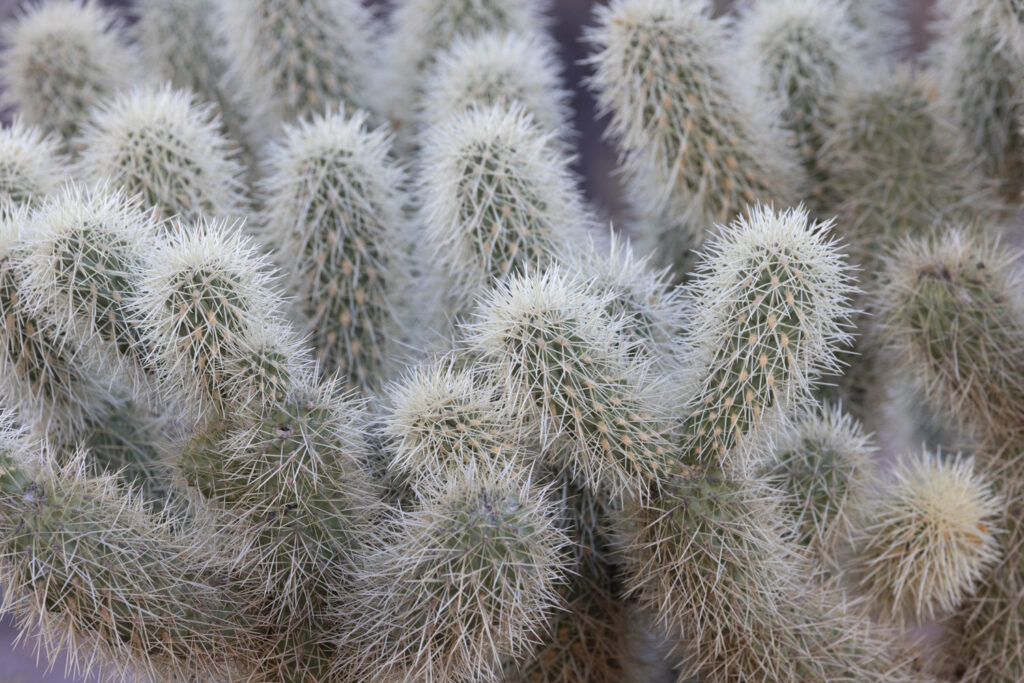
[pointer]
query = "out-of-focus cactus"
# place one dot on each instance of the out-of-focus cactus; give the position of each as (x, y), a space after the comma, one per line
(31, 165)
(164, 145)
(696, 147)
(62, 58)
(333, 212)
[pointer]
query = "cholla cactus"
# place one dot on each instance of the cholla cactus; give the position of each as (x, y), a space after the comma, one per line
(333, 212)
(162, 144)
(497, 69)
(31, 165)
(496, 196)
(469, 579)
(119, 581)
(806, 51)
(422, 28)
(977, 63)
(927, 538)
(696, 150)
(296, 57)
(62, 58)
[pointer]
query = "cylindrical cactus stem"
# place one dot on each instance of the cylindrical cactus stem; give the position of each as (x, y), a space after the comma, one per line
(822, 462)
(293, 58)
(977, 73)
(925, 539)
(333, 212)
(806, 51)
(50, 379)
(205, 308)
(771, 303)
(31, 165)
(498, 69)
(948, 312)
(90, 566)
(695, 150)
(164, 145)
(496, 196)
(445, 417)
(63, 58)
(900, 169)
(563, 358)
(294, 485)
(422, 28)
(82, 260)
(469, 579)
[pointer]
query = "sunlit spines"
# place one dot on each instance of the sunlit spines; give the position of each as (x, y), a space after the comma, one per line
(445, 417)
(83, 258)
(949, 313)
(31, 164)
(333, 212)
(468, 580)
(565, 360)
(498, 69)
(772, 308)
(696, 149)
(496, 196)
(62, 58)
(95, 573)
(204, 295)
(49, 379)
(925, 539)
(806, 51)
(293, 58)
(422, 28)
(822, 461)
(166, 146)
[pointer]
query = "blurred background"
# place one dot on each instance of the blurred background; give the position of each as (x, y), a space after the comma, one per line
(595, 164)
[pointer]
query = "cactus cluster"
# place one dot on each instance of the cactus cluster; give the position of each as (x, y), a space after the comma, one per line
(318, 364)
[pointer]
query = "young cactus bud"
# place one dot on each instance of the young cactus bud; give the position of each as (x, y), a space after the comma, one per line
(296, 57)
(62, 58)
(948, 311)
(805, 51)
(424, 27)
(551, 340)
(771, 308)
(294, 485)
(82, 260)
(822, 462)
(99, 575)
(162, 144)
(695, 151)
(498, 69)
(469, 579)
(445, 418)
(926, 539)
(47, 377)
(977, 74)
(333, 213)
(898, 168)
(497, 196)
(204, 305)
(31, 165)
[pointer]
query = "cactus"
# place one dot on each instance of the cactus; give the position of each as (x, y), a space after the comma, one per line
(496, 196)
(333, 202)
(927, 537)
(469, 579)
(292, 58)
(695, 149)
(31, 165)
(806, 52)
(162, 144)
(62, 58)
(497, 69)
